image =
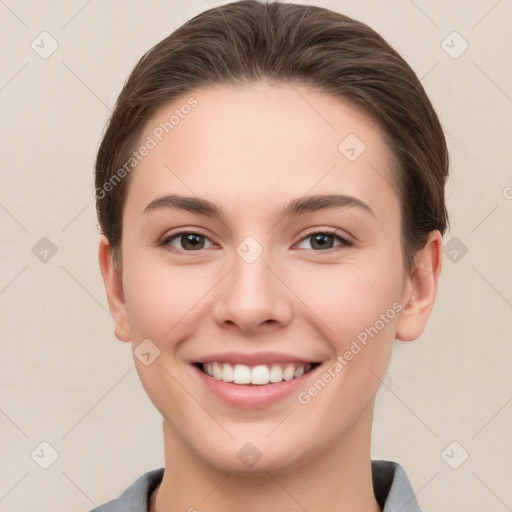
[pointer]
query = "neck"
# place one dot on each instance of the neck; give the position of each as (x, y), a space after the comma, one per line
(337, 480)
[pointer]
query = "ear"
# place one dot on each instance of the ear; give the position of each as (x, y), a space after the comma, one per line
(420, 289)
(114, 288)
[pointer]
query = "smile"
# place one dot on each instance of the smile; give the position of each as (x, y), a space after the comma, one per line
(254, 380)
(258, 375)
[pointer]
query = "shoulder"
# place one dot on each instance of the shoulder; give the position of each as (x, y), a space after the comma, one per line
(136, 496)
(392, 487)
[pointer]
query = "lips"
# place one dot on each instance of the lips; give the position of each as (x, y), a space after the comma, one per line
(253, 381)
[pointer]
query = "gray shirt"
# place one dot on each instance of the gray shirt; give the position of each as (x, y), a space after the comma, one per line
(390, 484)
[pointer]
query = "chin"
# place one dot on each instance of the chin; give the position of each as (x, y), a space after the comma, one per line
(257, 458)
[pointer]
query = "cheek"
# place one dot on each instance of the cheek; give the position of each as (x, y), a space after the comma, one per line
(351, 299)
(357, 308)
(162, 300)
(359, 314)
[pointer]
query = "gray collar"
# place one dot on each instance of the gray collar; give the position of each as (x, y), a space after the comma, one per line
(390, 483)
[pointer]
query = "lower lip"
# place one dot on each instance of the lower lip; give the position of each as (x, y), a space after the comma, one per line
(252, 396)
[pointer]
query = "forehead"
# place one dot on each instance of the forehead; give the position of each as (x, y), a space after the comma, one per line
(252, 145)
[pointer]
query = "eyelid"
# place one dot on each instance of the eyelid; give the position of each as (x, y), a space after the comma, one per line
(181, 231)
(344, 237)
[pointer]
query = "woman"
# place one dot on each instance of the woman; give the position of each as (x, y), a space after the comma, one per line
(270, 190)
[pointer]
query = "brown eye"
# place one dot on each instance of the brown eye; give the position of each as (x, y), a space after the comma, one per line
(186, 241)
(324, 240)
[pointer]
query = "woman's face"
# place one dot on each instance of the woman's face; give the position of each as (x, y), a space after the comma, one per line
(261, 240)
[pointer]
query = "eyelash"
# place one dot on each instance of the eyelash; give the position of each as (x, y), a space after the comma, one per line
(345, 242)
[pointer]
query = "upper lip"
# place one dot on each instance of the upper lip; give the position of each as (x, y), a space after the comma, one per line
(251, 359)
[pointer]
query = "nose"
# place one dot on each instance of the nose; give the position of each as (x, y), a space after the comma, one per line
(252, 297)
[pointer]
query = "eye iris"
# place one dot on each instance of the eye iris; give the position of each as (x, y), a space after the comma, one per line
(192, 241)
(322, 241)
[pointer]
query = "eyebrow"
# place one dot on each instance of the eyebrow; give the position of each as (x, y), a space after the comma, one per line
(297, 206)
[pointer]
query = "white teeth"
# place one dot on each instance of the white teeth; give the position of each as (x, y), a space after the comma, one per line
(288, 372)
(227, 373)
(217, 371)
(258, 375)
(242, 374)
(276, 374)
(298, 372)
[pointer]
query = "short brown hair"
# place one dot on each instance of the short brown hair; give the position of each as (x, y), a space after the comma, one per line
(249, 41)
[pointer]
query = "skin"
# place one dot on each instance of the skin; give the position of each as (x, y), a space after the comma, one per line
(250, 150)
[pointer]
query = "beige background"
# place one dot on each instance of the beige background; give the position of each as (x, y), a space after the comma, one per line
(67, 381)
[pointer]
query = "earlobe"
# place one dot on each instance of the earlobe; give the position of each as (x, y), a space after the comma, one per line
(112, 279)
(420, 289)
